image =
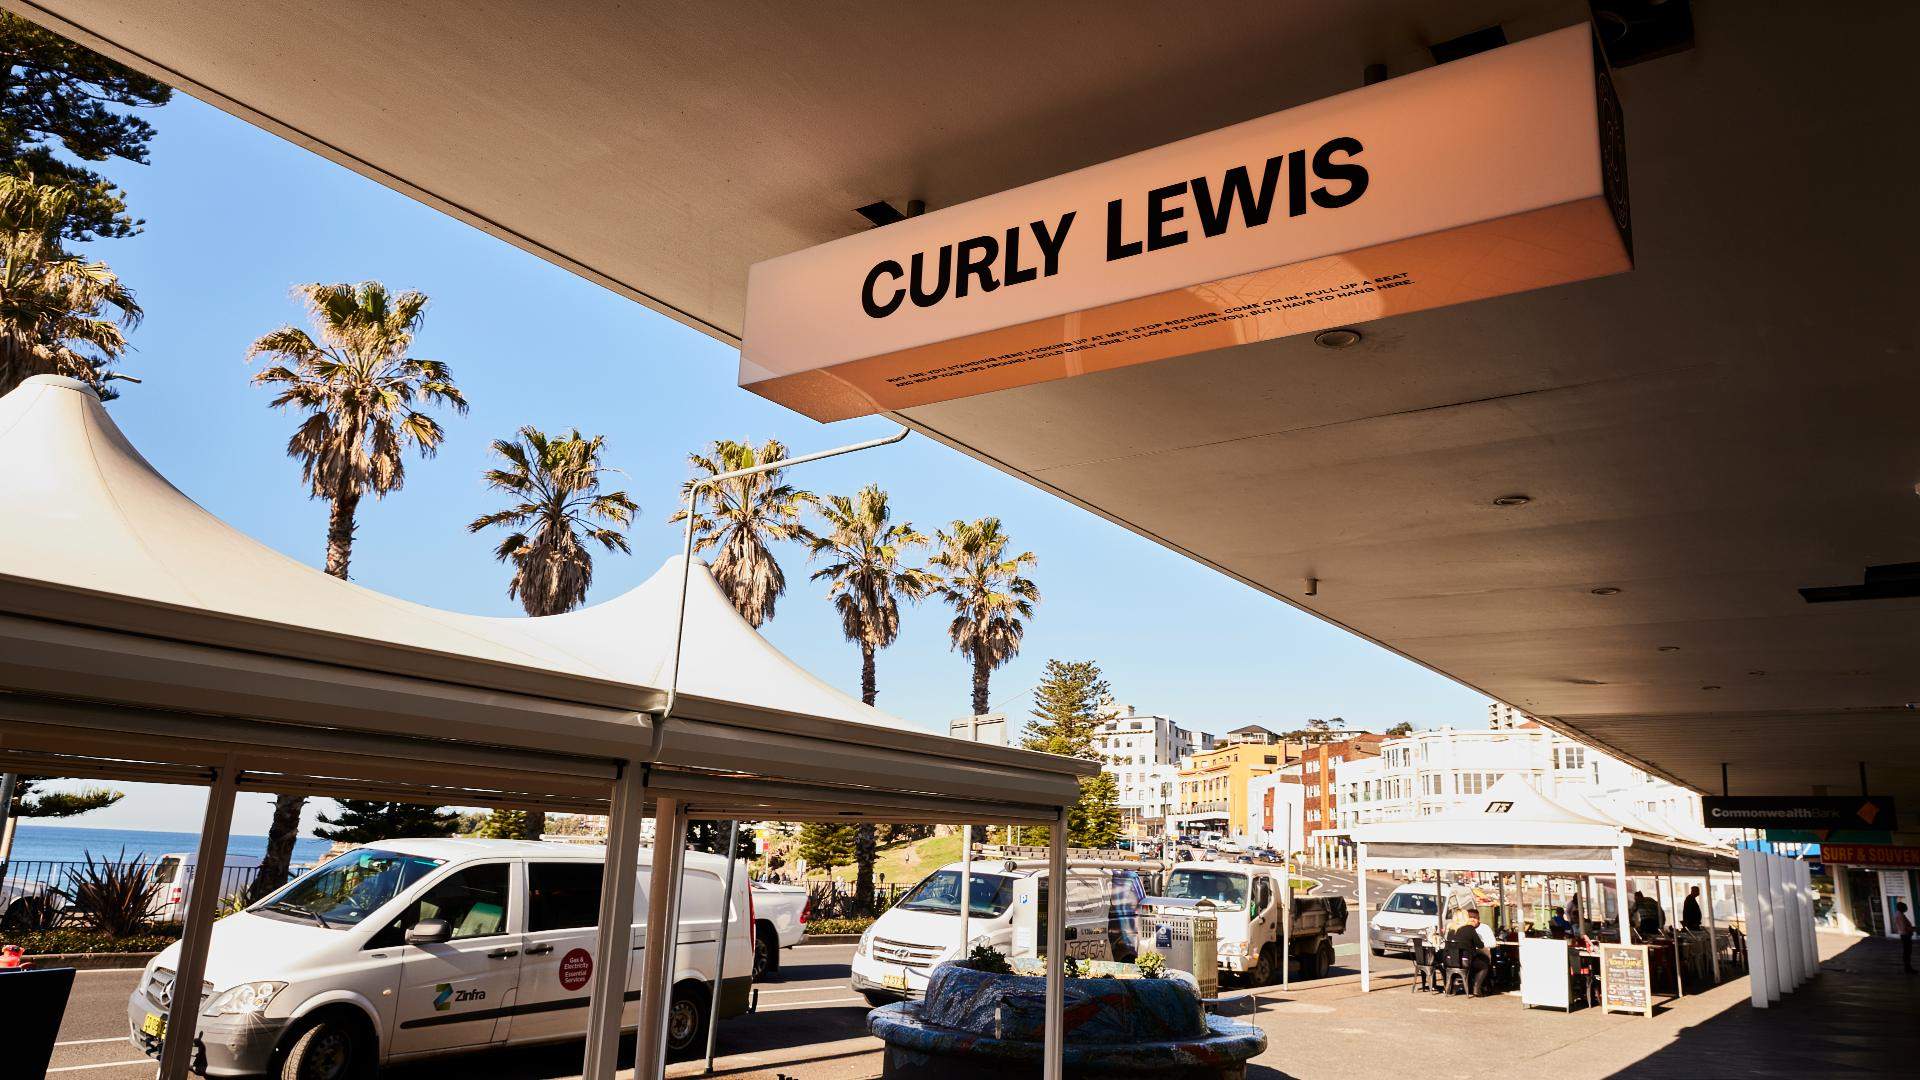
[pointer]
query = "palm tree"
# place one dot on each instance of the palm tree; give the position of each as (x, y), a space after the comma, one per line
(865, 584)
(557, 509)
(360, 389)
(988, 595)
(742, 516)
(54, 305)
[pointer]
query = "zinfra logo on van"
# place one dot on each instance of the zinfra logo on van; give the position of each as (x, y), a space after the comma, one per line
(445, 996)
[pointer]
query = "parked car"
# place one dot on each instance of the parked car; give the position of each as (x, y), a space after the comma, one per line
(780, 914)
(21, 901)
(1249, 919)
(175, 873)
(1413, 911)
(900, 950)
(410, 949)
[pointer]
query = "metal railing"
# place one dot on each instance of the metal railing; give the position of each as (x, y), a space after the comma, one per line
(24, 880)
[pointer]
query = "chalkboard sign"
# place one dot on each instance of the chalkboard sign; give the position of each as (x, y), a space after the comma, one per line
(1624, 982)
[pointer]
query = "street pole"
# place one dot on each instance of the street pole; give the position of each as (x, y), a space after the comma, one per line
(726, 914)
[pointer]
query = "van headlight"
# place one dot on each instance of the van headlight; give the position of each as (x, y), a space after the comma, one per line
(865, 948)
(247, 999)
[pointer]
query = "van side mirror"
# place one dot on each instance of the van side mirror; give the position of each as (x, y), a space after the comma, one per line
(430, 932)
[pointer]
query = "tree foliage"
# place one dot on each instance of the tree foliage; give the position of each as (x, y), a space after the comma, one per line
(989, 593)
(506, 825)
(825, 845)
(59, 94)
(60, 314)
(31, 803)
(1066, 719)
(557, 510)
(711, 837)
(362, 821)
(741, 518)
(1318, 731)
(1400, 730)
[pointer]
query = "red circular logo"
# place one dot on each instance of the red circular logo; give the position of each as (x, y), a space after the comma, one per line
(576, 968)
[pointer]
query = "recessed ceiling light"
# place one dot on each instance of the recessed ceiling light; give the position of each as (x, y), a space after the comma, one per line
(1337, 339)
(1513, 500)
(1756, 673)
(1604, 590)
(1709, 688)
(1586, 682)
(1669, 648)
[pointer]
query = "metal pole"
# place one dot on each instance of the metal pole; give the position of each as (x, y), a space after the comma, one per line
(1713, 932)
(720, 962)
(1366, 926)
(613, 940)
(966, 889)
(1054, 1049)
(1286, 927)
(7, 783)
(663, 919)
(1620, 895)
(176, 1052)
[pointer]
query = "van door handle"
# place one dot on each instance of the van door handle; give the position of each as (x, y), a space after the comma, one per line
(540, 950)
(502, 954)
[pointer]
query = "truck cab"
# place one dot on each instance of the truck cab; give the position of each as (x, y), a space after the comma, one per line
(1249, 904)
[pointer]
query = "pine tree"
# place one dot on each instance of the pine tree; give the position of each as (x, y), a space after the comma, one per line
(1066, 718)
(506, 825)
(361, 821)
(825, 845)
(711, 837)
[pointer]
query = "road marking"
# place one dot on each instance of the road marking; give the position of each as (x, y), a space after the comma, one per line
(825, 945)
(806, 990)
(812, 1004)
(148, 1062)
(91, 1042)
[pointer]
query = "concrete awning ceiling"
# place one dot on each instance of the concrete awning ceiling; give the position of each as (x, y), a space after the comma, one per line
(123, 598)
(1725, 425)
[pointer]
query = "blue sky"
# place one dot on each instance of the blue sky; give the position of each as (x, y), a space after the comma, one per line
(236, 217)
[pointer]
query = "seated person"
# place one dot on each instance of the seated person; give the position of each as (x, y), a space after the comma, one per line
(1558, 926)
(1475, 940)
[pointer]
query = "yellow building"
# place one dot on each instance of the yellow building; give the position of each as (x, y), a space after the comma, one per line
(1213, 784)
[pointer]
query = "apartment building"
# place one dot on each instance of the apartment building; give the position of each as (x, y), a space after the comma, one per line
(1213, 790)
(1143, 751)
(1318, 772)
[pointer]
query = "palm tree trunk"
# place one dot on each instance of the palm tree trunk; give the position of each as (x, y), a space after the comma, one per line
(285, 827)
(278, 861)
(340, 532)
(981, 673)
(536, 824)
(865, 841)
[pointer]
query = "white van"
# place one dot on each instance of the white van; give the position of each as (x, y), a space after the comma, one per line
(175, 872)
(411, 948)
(1412, 912)
(1007, 911)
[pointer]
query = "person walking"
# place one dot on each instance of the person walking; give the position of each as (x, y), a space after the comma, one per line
(1904, 927)
(1690, 911)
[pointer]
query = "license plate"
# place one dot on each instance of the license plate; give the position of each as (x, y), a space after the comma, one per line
(154, 1025)
(895, 982)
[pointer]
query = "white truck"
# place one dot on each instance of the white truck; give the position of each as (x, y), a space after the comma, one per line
(409, 949)
(1249, 917)
(780, 914)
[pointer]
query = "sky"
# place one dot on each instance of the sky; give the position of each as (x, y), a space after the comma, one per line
(236, 217)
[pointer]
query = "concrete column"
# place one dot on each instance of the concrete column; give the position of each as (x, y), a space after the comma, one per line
(720, 951)
(1785, 955)
(1713, 935)
(1054, 1049)
(1807, 925)
(663, 932)
(613, 941)
(1759, 964)
(1621, 896)
(203, 896)
(1366, 924)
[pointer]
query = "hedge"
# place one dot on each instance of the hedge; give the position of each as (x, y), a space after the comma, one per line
(81, 940)
(838, 926)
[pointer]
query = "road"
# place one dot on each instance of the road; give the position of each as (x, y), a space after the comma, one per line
(806, 1013)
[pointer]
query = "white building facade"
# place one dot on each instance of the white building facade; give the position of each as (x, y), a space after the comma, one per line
(1143, 753)
(1276, 813)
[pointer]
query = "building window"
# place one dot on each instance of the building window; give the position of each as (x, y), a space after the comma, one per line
(1271, 760)
(1570, 757)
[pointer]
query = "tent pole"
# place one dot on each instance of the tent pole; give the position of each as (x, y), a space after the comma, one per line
(1366, 926)
(966, 890)
(176, 1054)
(663, 918)
(1054, 1049)
(1713, 933)
(614, 938)
(1620, 894)
(720, 959)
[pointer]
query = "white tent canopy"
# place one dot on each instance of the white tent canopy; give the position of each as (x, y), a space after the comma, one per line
(117, 589)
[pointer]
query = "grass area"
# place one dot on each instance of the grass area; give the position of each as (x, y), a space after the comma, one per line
(907, 863)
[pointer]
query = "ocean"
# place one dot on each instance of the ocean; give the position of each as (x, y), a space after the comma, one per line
(63, 843)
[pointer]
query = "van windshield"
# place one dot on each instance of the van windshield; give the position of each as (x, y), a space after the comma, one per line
(1226, 890)
(348, 889)
(940, 891)
(1411, 903)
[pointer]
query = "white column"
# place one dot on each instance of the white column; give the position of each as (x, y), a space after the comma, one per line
(1366, 925)
(966, 888)
(613, 941)
(1713, 934)
(176, 1055)
(1054, 1049)
(1759, 966)
(1620, 895)
(1786, 956)
(1806, 926)
(720, 952)
(663, 925)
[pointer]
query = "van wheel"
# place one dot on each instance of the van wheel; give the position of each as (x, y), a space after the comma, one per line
(687, 1022)
(1261, 973)
(331, 1048)
(766, 951)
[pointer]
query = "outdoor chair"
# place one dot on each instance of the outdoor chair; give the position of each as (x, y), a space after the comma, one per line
(1459, 968)
(1425, 965)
